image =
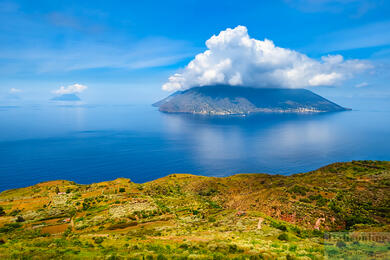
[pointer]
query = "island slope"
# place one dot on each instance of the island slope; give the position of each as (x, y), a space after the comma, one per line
(230, 100)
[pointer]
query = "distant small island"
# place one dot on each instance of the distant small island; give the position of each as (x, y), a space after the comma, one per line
(66, 97)
(233, 100)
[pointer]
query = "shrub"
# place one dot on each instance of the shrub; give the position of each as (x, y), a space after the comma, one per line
(208, 192)
(14, 212)
(212, 219)
(299, 190)
(122, 189)
(333, 206)
(122, 225)
(213, 205)
(161, 257)
(315, 197)
(98, 240)
(279, 226)
(340, 244)
(289, 257)
(20, 219)
(2, 212)
(321, 202)
(86, 206)
(9, 227)
(67, 232)
(132, 217)
(317, 233)
(293, 248)
(352, 220)
(233, 248)
(283, 237)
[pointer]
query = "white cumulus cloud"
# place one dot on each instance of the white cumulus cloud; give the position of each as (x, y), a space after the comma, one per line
(233, 58)
(72, 89)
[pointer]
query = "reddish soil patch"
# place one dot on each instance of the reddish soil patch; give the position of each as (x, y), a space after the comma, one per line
(55, 229)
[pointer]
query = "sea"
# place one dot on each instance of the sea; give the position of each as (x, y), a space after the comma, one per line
(89, 143)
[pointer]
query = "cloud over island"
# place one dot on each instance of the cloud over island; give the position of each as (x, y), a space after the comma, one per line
(234, 58)
(71, 89)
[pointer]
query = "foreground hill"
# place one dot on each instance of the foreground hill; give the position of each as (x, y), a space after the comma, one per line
(252, 216)
(229, 100)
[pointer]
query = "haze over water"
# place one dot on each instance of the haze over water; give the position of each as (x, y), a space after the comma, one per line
(92, 143)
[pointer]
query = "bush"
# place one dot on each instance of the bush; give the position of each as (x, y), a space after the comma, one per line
(234, 249)
(340, 244)
(122, 189)
(279, 226)
(289, 257)
(86, 206)
(98, 240)
(292, 248)
(68, 231)
(321, 202)
(299, 190)
(20, 219)
(283, 237)
(161, 257)
(2, 212)
(334, 206)
(352, 220)
(208, 192)
(9, 227)
(212, 219)
(315, 197)
(14, 212)
(122, 225)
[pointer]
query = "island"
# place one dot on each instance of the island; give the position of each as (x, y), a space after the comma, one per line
(238, 100)
(66, 97)
(183, 216)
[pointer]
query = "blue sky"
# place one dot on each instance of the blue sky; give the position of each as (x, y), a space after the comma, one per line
(124, 51)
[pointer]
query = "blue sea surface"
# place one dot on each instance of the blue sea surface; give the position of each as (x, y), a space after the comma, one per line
(92, 143)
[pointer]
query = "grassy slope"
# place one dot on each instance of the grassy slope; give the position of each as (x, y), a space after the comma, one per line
(184, 215)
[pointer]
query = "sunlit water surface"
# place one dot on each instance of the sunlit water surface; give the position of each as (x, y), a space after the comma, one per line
(87, 143)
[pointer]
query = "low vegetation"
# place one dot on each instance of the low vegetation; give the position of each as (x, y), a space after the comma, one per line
(245, 216)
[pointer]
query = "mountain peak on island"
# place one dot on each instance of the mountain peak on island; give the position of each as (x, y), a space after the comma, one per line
(234, 100)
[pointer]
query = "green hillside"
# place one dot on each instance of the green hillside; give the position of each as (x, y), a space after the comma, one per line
(245, 216)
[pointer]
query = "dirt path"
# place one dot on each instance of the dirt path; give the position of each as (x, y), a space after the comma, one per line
(259, 223)
(72, 224)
